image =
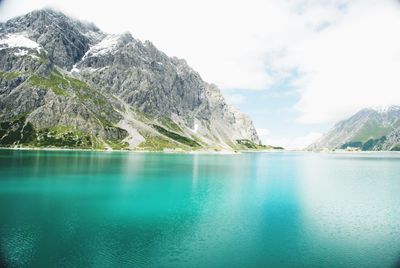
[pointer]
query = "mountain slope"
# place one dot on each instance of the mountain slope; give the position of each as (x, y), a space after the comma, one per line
(370, 129)
(71, 85)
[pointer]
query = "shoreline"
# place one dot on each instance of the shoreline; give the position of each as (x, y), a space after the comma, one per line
(166, 151)
(172, 151)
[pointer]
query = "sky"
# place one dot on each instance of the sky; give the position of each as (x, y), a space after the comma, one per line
(294, 66)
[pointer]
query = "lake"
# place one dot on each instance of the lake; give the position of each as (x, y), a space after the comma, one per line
(125, 209)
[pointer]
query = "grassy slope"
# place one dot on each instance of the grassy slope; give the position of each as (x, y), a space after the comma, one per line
(245, 144)
(18, 132)
(64, 86)
(372, 131)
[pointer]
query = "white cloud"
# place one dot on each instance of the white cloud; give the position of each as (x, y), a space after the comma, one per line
(349, 65)
(346, 52)
(220, 39)
(231, 43)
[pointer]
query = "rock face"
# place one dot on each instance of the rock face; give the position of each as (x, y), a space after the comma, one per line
(71, 85)
(373, 129)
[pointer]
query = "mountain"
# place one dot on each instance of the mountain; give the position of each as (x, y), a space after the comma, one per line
(65, 83)
(371, 129)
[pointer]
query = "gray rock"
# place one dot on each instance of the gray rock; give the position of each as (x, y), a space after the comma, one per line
(370, 129)
(63, 73)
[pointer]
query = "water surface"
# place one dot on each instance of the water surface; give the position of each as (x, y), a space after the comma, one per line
(99, 209)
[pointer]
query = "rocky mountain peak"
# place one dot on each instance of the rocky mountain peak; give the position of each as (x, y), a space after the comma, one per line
(372, 128)
(65, 39)
(65, 76)
(385, 109)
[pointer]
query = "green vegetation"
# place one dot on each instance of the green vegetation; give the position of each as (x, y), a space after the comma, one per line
(248, 144)
(65, 137)
(372, 132)
(85, 92)
(69, 137)
(245, 144)
(156, 143)
(117, 144)
(273, 147)
(364, 146)
(75, 83)
(58, 83)
(9, 75)
(176, 137)
(55, 82)
(21, 133)
(93, 100)
(15, 132)
(170, 124)
(352, 144)
(141, 116)
(104, 122)
(371, 143)
(41, 59)
(396, 148)
(196, 139)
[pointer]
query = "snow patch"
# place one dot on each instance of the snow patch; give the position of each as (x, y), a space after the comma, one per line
(385, 109)
(93, 35)
(196, 127)
(33, 56)
(18, 40)
(108, 44)
(74, 69)
(21, 52)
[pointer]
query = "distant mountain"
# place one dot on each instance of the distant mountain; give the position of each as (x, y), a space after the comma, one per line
(65, 83)
(376, 128)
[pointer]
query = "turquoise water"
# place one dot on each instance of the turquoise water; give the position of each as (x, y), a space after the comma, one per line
(99, 209)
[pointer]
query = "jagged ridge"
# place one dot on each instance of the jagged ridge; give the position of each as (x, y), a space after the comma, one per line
(66, 79)
(371, 129)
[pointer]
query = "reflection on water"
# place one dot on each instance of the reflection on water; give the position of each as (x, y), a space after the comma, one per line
(91, 209)
(397, 265)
